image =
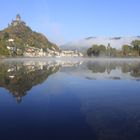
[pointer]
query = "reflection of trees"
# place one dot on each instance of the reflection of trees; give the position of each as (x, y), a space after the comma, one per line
(96, 67)
(101, 67)
(20, 78)
(133, 68)
(136, 71)
(126, 67)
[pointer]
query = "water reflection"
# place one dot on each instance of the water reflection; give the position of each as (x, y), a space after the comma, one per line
(19, 77)
(132, 67)
(80, 99)
(108, 69)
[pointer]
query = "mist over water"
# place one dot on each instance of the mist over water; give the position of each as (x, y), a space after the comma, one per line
(69, 99)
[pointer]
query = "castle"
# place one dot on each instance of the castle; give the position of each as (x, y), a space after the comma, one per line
(17, 21)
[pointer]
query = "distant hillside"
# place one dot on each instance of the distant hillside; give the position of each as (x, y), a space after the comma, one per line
(19, 35)
(84, 44)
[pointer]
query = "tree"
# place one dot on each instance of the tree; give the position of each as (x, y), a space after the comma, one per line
(97, 50)
(113, 52)
(5, 36)
(89, 52)
(126, 49)
(136, 45)
(109, 50)
(4, 51)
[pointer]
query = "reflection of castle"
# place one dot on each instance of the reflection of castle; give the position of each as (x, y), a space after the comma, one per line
(17, 21)
(20, 77)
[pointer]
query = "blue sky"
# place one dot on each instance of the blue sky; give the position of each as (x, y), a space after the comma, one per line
(66, 20)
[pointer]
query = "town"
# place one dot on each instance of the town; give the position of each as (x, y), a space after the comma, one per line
(38, 52)
(28, 49)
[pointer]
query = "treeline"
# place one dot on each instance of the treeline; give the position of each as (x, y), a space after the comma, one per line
(132, 50)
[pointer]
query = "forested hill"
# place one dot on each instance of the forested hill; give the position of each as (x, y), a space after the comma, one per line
(20, 36)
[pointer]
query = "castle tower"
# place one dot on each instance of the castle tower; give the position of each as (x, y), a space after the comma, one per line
(18, 18)
(17, 21)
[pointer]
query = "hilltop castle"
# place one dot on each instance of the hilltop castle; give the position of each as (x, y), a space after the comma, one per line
(17, 21)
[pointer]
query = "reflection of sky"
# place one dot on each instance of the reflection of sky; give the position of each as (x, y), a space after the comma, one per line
(67, 104)
(110, 107)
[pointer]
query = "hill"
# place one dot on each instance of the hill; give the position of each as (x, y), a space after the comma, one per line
(18, 36)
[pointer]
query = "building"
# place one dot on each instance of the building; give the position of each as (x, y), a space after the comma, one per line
(17, 21)
(32, 51)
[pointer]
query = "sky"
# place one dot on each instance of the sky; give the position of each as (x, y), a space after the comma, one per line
(63, 21)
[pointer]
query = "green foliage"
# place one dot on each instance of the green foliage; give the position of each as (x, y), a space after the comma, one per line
(23, 36)
(113, 52)
(4, 51)
(5, 36)
(96, 50)
(132, 50)
(126, 49)
(136, 46)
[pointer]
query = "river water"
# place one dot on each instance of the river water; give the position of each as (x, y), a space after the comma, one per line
(42, 99)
